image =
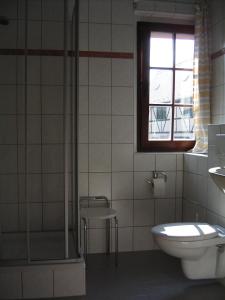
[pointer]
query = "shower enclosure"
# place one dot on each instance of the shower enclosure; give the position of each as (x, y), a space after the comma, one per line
(39, 211)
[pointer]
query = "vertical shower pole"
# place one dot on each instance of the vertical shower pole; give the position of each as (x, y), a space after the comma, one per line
(66, 132)
(26, 134)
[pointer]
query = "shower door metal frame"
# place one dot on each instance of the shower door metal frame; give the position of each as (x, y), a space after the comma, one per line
(74, 137)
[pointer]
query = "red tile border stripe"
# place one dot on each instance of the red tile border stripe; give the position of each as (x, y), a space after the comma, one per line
(124, 55)
(53, 52)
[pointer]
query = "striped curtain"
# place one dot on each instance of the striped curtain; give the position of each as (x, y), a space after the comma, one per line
(201, 95)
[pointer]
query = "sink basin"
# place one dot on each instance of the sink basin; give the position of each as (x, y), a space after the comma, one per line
(218, 176)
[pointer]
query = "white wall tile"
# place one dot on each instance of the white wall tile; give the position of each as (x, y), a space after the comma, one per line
(189, 212)
(96, 240)
(83, 37)
(212, 131)
(179, 184)
(190, 163)
(53, 216)
(8, 67)
(53, 187)
(122, 101)
(52, 70)
(100, 100)
(124, 210)
(38, 284)
(144, 161)
(83, 129)
(100, 71)
(99, 37)
(34, 158)
(180, 162)
(122, 157)
(8, 188)
(83, 184)
(83, 71)
(10, 283)
(9, 9)
(83, 157)
(122, 185)
(52, 156)
(83, 100)
(8, 99)
(8, 159)
(99, 158)
(52, 99)
(52, 129)
(144, 212)
(122, 12)
(100, 184)
(142, 189)
(217, 71)
(125, 241)
(83, 11)
(64, 284)
(34, 69)
(100, 11)
(143, 239)
(122, 38)
(8, 130)
(99, 129)
(9, 35)
(122, 129)
(55, 14)
(165, 211)
(52, 35)
(9, 217)
(165, 162)
(122, 72)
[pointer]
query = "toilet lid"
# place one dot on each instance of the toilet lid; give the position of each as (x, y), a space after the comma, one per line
(185, 231)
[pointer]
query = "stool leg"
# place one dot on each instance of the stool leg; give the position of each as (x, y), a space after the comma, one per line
(116, 241)
(85, 239)
(107, 237)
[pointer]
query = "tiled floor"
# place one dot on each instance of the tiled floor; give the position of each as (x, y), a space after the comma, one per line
(148, 275)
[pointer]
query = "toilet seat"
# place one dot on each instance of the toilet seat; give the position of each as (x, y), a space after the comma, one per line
(184, 232)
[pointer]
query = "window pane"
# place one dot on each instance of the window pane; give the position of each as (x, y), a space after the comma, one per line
(161, 49)
(184, 51)
(183, 123)
(159, 123)
(184, 87)
(161, 84)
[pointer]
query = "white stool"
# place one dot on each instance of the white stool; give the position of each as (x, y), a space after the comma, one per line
(98, 208)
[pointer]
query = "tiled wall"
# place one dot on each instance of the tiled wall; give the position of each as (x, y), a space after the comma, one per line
(207, 203)
(45, 118)
(217, 18)
(109, 163)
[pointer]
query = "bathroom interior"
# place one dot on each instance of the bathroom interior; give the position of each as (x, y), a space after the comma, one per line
(72, 85)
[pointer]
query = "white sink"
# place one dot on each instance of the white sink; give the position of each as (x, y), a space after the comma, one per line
(218, 176)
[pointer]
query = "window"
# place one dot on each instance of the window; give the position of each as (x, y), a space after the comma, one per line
(165, 87)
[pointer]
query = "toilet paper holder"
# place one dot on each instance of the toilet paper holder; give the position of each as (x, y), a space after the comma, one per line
(155, 175)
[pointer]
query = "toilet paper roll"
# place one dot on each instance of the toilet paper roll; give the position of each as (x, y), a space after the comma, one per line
(159, 187)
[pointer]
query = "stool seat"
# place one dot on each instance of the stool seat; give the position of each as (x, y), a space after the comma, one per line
(102, 213)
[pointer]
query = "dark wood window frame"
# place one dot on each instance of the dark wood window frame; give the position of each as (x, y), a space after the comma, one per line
(143, 50)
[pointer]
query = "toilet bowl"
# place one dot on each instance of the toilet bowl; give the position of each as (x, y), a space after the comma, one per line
(200, 246)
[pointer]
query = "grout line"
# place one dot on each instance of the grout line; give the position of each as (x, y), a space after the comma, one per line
(41, 103)
(17, 123)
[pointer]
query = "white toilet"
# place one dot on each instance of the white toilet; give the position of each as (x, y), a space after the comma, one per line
(200, 246)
